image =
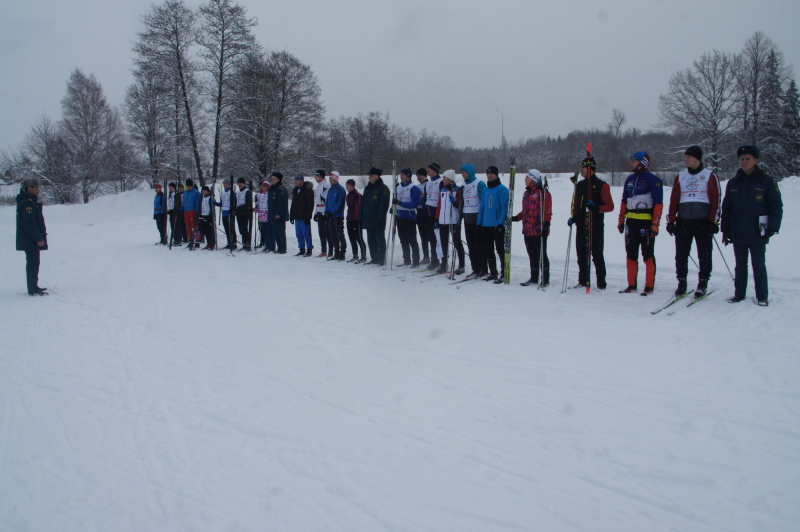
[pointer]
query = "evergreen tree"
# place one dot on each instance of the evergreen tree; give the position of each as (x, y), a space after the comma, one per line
(791, 129)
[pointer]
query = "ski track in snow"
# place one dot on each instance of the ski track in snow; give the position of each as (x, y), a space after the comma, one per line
(177, 390)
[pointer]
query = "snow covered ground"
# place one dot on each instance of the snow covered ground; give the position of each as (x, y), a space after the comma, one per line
(162, 390)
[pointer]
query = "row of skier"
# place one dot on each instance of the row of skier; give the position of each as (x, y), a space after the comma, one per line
(429, 215)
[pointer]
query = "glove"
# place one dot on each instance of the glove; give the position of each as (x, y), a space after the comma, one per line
(590, 205)
(653, 231)
(154, 217)
(574, 177)
(546, 229)
(436, 225)
(671, 228)
(452, 200)
(516, 218)
(500, 228)
(316, 217)
(570, 222)
(395, 201)
(713, 228)
(326, 216)
(726, 238)
(621, 228)
(770, 233)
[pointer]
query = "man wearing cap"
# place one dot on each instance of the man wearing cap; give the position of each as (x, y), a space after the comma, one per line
(159, 214)
(752, 212)
(471, 191)
(592, 195)
(320, 195)
(639, 217)
(278, 210)
(406, 200)
(374, 207)
(244, 212)
(432, 189)
(694, 216)
(354, 232)
(265, 227)
(31, 233)
(334, 214)
(491, 221)
(301, 213)
(537, 211)
(422, 218)
(190, 203)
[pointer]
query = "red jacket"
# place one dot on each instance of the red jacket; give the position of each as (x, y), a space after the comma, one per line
(531, 214)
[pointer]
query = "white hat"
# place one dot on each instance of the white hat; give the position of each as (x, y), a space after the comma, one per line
(450, 174)
(534, 174)
(334, 175)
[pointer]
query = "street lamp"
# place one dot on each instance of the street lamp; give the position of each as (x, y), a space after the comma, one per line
(502, 130)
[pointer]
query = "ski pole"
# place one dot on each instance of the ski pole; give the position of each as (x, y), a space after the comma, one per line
(723, 258)
(566, 263)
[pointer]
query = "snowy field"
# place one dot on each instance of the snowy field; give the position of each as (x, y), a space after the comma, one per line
(161, 390)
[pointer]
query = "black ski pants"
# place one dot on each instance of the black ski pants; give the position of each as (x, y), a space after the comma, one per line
(208, 230)
(338, 244)
(582, 253)
(243, 221)
(758, 256)
(446, 232)
(175, 225)
(376, 240)
(430, 220)
(687, 231)
(324, 234)
(428, 246)
(476, 258)
(407, 232)
(161, 224)
(230, 231)
(356, 236)
(494, 240)
(279, 230)
(537, 249)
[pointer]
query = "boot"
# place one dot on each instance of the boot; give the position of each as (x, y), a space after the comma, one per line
(459, 270)
(631, 289)
(648, 290)
(309, 252)
(301, 253)
(425, 260)
(702, 288)
(681, 290)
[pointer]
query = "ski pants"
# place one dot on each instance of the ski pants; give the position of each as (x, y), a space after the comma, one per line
(356, 237)
(758, 256)
(243, 221)
(267, 230)
(537, 249)
(582, 252)
(637, 235)
(208, 229)
(230, 229)
(188, 221)
(175, 224)
(407, 232)
(428, 247)
(32, 261)
(433, 237)
(161, 224)
(447, 231)
(324, 238)
(494, 240)
(279, 228)
(685, 232)
(475, 248)
(302, 230)
(338, 243)
(376, 240)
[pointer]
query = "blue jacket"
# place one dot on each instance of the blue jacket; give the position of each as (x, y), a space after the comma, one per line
(334, 202)
(191, 200)
(411, 214)
(278, 203)
(494, 205)
(746, 199)
(159, 204)
(30, 223)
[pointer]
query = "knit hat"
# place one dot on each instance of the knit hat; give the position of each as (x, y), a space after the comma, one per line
(278, 175)
(299, 177)
(422, 171)
(226, 180)
(334, 175)
(694, 151)
(206, 188)
(406, 172)
(189, 183)
(319, 173)
(535, 175)
(171, 185)
(435, 167)
(264, 184)
(157, 185)
(589, 162)
(493, 170)
(375, 171)
(351, 182)
(749, 149)
(643, 158)
(240, 180)
(450, 174)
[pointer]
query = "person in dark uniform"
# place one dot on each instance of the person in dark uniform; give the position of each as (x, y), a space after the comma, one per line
(31, 233)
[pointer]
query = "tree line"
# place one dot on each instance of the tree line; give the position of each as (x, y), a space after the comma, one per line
(208, 100)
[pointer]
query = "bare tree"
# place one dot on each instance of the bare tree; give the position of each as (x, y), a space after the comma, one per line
(614, 148)
(703, 102)
(147, 112)
(227, 39)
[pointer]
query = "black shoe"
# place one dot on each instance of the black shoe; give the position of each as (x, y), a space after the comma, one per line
(309, 252)
(433, 265)
(681, 290)
(459, 271)
(39, 292)
(601, 286)
(763, 303)
(735, 299)
(702, 288)
(529, 282)
(583, 285)
(441, 269)
(362, 260)
(415, 264)
(648, 290)
(301, 253)
(490, 277)
(354, 259)
(499, 280)
(631, 289)
(424, 261)
(403, 265)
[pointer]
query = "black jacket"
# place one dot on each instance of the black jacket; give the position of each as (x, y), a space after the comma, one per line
(30, 223)
(746, 199)
(302, 202)
(278, 203)
(374, 206)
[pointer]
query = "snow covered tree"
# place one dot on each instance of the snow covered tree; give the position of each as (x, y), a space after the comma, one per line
(791, 129)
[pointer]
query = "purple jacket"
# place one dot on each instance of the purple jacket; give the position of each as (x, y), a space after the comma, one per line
(353, 200)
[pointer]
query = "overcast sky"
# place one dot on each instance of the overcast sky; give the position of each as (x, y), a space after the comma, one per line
(447, 66)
